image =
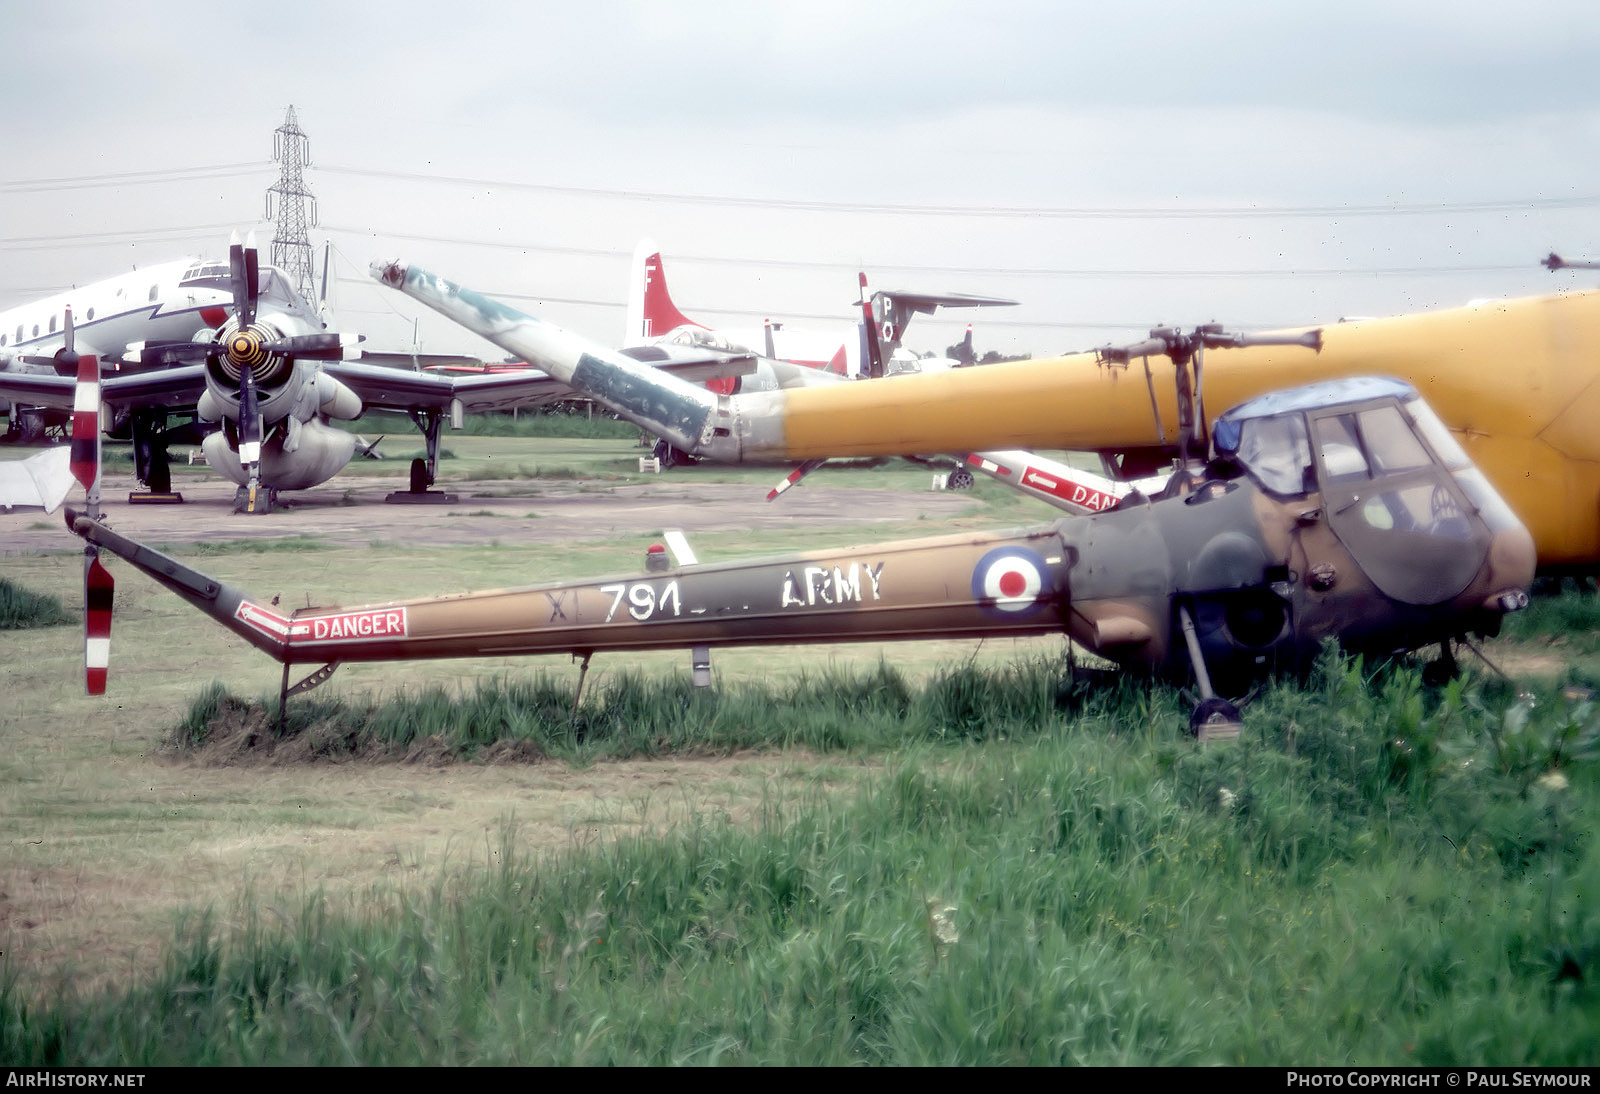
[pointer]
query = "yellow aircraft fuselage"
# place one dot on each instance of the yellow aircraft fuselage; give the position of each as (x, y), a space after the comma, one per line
(1518, 381)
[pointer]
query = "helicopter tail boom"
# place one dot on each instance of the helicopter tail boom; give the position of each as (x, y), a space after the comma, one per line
(977, 585)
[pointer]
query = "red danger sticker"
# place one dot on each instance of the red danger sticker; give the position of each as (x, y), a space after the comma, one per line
(377, 623)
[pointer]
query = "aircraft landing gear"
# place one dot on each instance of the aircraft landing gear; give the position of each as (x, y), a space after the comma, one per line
(1442, 669)
(959, 479)
(152, 465)
(1213, 717)
(423, 470)
(672, 457)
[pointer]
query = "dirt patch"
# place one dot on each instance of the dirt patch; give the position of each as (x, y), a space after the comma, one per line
(355, 513)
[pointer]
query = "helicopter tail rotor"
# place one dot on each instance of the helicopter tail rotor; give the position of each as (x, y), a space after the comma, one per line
(98, 585)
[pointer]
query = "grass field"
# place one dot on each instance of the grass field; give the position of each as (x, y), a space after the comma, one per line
(942, 853)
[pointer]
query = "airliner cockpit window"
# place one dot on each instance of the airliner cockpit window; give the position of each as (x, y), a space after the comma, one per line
(206, 274)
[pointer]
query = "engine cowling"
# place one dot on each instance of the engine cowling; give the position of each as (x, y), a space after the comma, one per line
(295, 455)
(277, 377)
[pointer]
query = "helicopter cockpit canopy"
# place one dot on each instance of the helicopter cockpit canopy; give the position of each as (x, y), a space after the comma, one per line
(1396, 488)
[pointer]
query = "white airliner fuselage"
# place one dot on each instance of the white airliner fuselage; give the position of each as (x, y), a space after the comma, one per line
(171, 301)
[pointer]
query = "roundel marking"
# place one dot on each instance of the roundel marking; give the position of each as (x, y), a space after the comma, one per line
(1009, 580)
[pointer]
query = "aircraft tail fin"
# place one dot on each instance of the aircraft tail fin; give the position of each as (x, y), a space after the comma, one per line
(964, 351)
(651, 312)
(871, 347)
(324, 302)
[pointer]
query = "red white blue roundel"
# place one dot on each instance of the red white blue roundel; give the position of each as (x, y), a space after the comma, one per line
(1010, 580)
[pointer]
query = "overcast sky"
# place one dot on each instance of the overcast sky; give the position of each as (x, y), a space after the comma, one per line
(1113, 167)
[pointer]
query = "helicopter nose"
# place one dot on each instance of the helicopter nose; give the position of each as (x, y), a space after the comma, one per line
(1512, 560)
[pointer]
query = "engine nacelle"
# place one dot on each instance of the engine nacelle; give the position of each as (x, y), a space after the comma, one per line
(335, 400)
(302, 393)
(274, 400)
(295, 456)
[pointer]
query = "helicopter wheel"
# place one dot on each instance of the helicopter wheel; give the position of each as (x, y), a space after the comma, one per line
(959, 479)
(1443, 669)
(1214, 719)
(672, 457)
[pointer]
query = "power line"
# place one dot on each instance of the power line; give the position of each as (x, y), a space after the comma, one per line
(981, 271)
(1219, 212)
(115, 236)
(843, 317)
(133, 178)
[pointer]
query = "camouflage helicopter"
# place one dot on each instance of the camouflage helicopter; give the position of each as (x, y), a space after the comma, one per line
(1342, 509)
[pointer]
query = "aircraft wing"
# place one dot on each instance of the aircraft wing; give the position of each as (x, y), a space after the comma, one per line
(694, 365)
(43, 480)
(179, 386)
(418, 361)
(376, 385)
(401, 389)
(384, 388)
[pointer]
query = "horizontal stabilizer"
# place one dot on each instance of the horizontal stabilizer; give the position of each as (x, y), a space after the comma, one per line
(43, 480)
(926, 303)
